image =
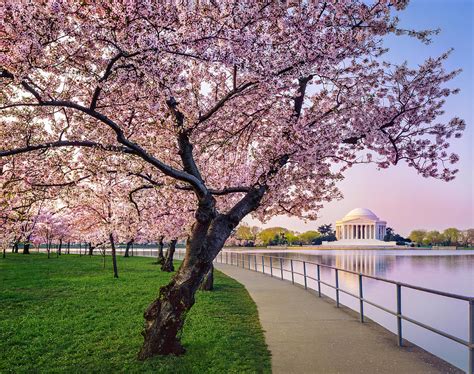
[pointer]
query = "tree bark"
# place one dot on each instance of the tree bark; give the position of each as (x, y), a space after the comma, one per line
(68, 247)
(4, 252)
(164, 318)
(26, 247)
(168, 262)
(114, 257)
(207, 283)
(127, 249)
(60, 246)
(15, 247)
(161, 258)
(48, 248)
(91, 249)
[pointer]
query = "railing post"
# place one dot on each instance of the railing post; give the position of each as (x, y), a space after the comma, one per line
(271, 267)
(292, 275)
(281, 267)
(337, 288)
(249, 260)
(256, 269)
(263, 264)
(227, 258)
(319, 280)
(399, 315)
(471, 337)
(361, 296)
(304, 276)
(243, 261)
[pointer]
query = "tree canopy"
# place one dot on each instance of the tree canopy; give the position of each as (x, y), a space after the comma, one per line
(449, 237)
(216, 111)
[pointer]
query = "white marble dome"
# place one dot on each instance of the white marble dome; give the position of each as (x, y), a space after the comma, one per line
(361, 213)
(360, 226)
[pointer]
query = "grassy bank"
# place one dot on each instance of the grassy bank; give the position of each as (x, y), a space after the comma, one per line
(70, 315)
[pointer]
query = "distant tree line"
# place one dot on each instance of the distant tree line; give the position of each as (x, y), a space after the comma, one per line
(250, 236)
(449, 237)
(253, 235)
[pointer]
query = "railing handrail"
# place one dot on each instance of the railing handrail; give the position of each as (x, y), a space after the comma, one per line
(406, 285)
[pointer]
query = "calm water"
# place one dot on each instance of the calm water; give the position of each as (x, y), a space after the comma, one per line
(449, 271)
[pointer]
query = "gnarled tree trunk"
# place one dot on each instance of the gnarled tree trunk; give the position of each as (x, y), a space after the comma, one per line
(161, 258)
(26, 247)
(60, 247)
(127, 249)
(168, 262)
(114, 257)
(91, 249)
(164, 318)
(207, 283)
(15, 247)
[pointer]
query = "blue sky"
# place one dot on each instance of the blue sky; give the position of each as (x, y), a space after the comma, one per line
(399, 195)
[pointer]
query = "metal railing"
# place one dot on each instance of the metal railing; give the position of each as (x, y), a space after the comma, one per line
(244, 260)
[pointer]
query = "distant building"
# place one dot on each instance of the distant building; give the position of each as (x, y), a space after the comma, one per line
(361, 227)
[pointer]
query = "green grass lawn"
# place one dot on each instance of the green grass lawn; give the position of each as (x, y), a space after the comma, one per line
(70, 315)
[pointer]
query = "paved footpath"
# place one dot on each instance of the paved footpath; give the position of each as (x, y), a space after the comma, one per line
(307, 334)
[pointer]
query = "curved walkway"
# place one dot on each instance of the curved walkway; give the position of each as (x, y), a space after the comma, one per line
(307, 334)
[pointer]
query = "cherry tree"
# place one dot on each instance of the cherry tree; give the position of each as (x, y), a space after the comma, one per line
(8, 224)
(162, 215)
(21, 204)
(101, 212)
(248, 107)
(48, 230)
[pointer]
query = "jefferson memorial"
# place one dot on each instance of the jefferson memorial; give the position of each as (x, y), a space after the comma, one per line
(361, 227)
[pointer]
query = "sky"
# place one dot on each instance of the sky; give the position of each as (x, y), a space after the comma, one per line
(398, 195)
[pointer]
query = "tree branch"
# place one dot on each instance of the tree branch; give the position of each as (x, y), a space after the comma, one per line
(133, 148)
(65, 184)
(185, 146)
(299, 100)
(130, 196)
(222, 192)
(246, 205)
(222, 101)
(63, 143)
(108, 71)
